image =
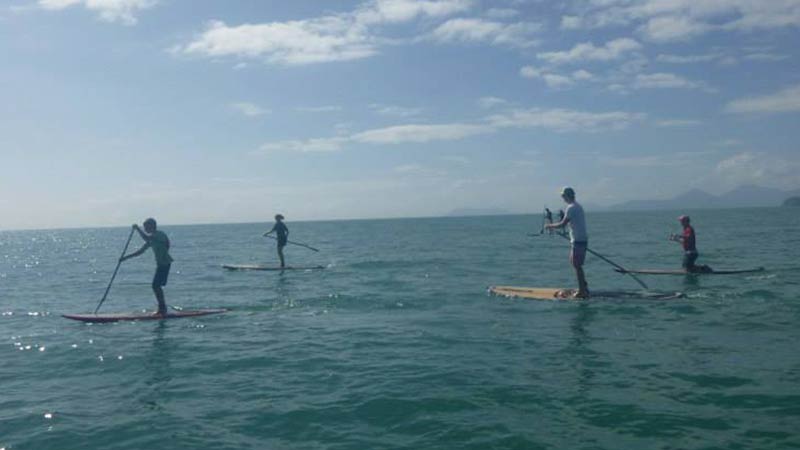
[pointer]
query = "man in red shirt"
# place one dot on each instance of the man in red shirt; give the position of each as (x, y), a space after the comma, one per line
(687, 239)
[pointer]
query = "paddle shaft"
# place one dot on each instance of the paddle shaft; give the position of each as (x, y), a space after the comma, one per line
(641, 283)
(295, 243)
(119, 262)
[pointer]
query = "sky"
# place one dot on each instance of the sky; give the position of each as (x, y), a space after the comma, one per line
(208, 111)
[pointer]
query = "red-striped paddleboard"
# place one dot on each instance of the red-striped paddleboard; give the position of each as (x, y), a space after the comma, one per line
(269, 268)
(117, 317)
(685, 272)
(534, 293)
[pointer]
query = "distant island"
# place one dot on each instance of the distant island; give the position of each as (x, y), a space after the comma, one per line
(792, 201)
(741, 197)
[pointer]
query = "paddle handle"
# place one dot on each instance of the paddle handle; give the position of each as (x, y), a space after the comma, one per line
(294, 243)
(119, 262)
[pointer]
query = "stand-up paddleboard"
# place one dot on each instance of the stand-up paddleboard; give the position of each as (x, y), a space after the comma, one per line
(269, 268)
(535, 293)
(685, 272)
(117, 317)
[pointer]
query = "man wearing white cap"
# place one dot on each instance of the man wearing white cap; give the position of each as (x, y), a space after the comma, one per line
(578, 238)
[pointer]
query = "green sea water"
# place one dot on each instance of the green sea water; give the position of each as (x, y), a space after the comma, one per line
(397, 344)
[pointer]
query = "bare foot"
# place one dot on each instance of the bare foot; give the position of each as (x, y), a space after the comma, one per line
(564, 293)
(580, 294)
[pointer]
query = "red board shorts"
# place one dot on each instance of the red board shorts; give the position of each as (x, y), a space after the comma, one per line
(577, 253)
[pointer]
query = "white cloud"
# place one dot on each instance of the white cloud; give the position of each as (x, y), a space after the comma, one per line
(555, 80)
(728, 143)
(397, 111)
(496, 33)
(501, 13)
(491, 102)
(675, 20)
(58, 4)
(587, 51)
(315, 145)
(397, 11)
(672, 28)
(761, 169)
(642, 161)
(784, 101)
(318, 109)
(292, 43)
(419, 133)
(571, 23)
(337, 37)
(530, 72)
(418, 170)
(558, 120)
(766, 57)
(457, 159)
(677, 123)
(249, 109)
(582, 75)
(123, 11)
(665, 81)
(688, 59)
(564, 120)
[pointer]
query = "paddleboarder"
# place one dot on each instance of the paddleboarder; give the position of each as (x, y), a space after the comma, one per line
(689, 243)
(578, 238)
(282, 233)
(159, 242)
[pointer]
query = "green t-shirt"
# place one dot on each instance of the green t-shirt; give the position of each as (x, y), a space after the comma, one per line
(159, 242)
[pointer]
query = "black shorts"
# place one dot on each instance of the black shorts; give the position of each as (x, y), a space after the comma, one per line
(282, 242)
(162, 273)
(688, 260)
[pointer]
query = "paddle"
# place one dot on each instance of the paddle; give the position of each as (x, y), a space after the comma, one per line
(295, 243)
(119, 262)
(625, 271)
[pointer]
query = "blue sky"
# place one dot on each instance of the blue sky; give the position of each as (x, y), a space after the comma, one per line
(224, 111)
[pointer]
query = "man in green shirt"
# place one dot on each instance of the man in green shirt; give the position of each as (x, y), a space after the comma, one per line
(159, 242)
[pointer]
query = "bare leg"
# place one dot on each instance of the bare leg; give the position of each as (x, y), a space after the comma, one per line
(583, 287)
(280, 255)
(162, 305)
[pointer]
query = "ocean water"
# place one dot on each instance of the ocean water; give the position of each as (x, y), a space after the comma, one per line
(397, 343)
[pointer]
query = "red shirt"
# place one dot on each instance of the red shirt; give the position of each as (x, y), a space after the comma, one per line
(688, 239)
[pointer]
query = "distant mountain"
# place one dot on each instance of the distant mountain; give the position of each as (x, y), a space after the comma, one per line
(792, 201)
(741, 197)
(478, 212)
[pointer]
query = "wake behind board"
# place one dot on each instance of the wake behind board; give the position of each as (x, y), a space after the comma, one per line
(269, 268)
(684, 272)
(117, 317)
(535, 293)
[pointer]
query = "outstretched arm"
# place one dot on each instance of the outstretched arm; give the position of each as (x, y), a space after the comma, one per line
(561, 224)
(272, 230)
(136, 253)
(676, 237)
